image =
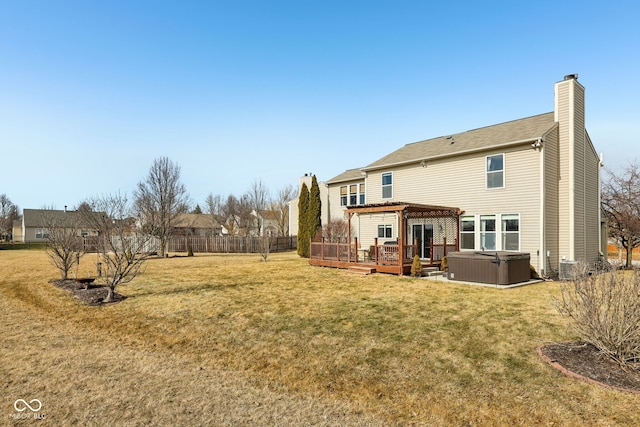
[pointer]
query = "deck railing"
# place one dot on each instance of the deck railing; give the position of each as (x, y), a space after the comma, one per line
(334, 251)
(387, 255)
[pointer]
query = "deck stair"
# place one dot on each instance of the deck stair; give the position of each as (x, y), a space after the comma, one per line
(432, 271)
(360, 269)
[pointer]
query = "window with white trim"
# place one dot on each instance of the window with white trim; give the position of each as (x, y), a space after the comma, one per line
(495, 171)
(510, 232)
(387, 185)
(361, 201)
(42, 233)
(353, 194)
(488, 232)
(343, 195)
(467, 232)
(385, 231)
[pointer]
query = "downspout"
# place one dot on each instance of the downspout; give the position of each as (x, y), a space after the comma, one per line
(604, 250)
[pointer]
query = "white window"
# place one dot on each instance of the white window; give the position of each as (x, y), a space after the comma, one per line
(467, 232)
(42, 233)
(343, 195)
(495, 171)
(510, 232)
(387, 185)
(361, 201)
(353, 194)
(488, 232)
(385, 231)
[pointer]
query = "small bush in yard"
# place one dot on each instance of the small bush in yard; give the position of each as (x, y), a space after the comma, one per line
(416, 267)
(604, 310)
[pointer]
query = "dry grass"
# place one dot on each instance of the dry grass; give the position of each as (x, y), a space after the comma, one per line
(230, 340)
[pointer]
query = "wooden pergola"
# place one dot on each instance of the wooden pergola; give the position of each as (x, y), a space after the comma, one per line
(396, 258)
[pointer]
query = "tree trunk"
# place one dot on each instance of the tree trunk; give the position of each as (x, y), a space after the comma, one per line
(109, 296)
(629, 257)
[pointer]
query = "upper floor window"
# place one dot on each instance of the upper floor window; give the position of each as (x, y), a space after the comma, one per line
(387, 185)
(343, 195)
(361, 202)
(495, 171)
(353, 194)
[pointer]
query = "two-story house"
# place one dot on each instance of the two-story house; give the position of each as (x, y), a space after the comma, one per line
(529, 185)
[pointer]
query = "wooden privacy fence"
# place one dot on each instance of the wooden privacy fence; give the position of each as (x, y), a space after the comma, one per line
(229, 244)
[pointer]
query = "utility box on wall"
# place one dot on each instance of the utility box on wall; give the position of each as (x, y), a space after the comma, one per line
(490, 267)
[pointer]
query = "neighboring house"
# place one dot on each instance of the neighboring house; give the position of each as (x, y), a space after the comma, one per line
(293, 204)
(16, 235)
(32, 228)
(197, 225)
(529, 185)
(270, 222)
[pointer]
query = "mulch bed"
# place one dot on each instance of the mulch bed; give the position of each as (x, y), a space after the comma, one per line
(90, 294)
(584, 361)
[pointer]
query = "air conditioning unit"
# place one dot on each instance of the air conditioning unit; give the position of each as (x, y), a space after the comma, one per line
(567, 269)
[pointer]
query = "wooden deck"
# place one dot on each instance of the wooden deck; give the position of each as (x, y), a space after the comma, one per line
(384, 259)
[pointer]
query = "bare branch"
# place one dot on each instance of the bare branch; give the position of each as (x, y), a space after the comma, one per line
(160, 199)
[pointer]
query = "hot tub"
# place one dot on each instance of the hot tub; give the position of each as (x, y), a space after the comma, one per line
(492, 267)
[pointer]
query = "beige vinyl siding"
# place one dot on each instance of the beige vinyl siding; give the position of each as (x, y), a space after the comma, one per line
(580, 225)
(461, 182)
(592, 203)
(551, 205)
(565, 200)
(369, 227)
(335, 210)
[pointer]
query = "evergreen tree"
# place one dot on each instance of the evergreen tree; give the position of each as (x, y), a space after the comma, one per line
(315, 208)
(303, 225)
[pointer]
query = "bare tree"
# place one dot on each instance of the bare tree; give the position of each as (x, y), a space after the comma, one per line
(335, 230)
(230, 214)
(621, 203)
(213, 207)
(259, 198)
(64, 241)
(123, 250)
(161, 198)
(265, 247)
(8, 213)
(278, 210)
(247, 219)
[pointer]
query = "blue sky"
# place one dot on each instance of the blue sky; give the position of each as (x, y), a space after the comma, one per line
(91, 92)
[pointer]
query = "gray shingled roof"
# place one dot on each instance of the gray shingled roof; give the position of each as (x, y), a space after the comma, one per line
(36, 217)
(348, 175)
(522, 130)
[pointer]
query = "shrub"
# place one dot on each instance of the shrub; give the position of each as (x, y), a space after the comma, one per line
(604, 310)
(416, 267)
(533, 274)
(444, 264)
